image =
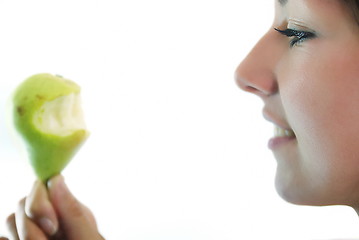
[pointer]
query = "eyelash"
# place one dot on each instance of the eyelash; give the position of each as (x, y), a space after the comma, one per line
(298, 36)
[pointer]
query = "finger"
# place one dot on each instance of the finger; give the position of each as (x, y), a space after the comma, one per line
(11, 225)
(39, 208)
(76, 220)
(26, 228)
(59, 236)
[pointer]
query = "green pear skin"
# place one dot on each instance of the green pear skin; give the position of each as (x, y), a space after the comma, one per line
(41, 99)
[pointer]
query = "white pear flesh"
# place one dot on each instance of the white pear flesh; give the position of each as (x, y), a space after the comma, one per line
(48, 116)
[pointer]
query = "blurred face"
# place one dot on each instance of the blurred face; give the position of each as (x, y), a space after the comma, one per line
(307, 73)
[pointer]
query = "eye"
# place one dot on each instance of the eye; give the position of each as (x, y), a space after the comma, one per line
(297, 36)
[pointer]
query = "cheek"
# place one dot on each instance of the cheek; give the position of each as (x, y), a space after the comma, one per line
(321, 99)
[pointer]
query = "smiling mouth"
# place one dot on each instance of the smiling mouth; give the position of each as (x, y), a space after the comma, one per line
(281, 137)
(280, 132)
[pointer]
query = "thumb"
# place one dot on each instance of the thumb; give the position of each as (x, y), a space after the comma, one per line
(76, 221)
(39, 209)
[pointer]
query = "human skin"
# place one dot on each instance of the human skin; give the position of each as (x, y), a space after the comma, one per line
(52, 212)
(312, 90)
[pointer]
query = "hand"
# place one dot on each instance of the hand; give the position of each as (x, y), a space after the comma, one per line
(52, 213)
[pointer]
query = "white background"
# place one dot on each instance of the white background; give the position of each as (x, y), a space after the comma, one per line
(176, 150)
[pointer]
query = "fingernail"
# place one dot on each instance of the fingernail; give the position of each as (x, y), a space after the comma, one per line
(58, 183)
(47, 225)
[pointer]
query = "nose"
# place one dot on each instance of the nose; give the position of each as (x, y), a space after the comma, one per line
(256, 74)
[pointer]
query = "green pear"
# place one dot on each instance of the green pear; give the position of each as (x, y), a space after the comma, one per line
(47, 115)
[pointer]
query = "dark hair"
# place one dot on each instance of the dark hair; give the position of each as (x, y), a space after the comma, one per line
(353, 6)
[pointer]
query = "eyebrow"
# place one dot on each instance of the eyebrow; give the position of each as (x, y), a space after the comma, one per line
(283, 2)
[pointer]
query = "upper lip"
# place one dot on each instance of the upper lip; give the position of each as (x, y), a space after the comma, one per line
(275, 119)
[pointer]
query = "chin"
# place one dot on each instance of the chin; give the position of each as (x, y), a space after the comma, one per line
(288, 192)
(304, 184)
(295, 192)
(305, 194)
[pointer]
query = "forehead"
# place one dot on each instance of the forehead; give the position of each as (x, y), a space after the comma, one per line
(283, 3)
(318, 6)
(316, 14)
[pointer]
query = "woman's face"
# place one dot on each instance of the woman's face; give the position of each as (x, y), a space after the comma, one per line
(309, 82)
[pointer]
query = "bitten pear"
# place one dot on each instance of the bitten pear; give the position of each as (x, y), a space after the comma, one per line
(47, 115)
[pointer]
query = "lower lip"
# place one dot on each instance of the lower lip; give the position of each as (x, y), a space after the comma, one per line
(277, 142)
